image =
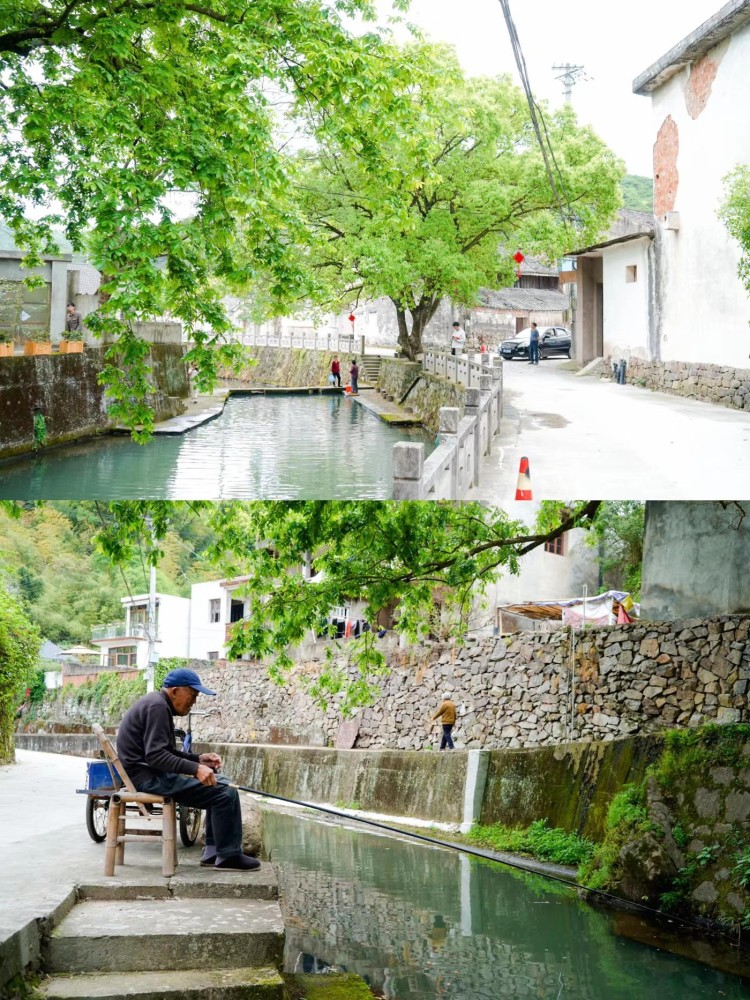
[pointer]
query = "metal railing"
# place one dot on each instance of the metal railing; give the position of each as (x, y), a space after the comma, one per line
(454, 467)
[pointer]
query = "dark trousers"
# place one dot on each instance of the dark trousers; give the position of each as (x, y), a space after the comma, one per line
(453, 351)
(446, 740)
(337, 376)
(355, 387)
(534, 352)
(222, 805)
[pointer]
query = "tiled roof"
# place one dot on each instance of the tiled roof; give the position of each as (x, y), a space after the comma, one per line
(524, 299)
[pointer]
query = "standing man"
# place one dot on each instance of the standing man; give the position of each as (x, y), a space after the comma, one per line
(354, 373)
(336, 371)
(73, 321)
(146, 747)
(446, 712)
(534, 345)
(458, 339)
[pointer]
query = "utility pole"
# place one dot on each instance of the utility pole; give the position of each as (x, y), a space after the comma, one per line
(151, 625)
(570, 76)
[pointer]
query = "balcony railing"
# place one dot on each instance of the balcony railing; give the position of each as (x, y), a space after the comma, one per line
(118, 630)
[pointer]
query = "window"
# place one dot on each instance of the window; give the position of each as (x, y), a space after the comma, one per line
(213, 654)
(24, 310)
(236, 610)
(214, 610)
(122, 656)
(556, 546)
(139, 615)
(631, 273)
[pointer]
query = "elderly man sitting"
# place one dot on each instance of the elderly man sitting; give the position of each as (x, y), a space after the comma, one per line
(146, 747)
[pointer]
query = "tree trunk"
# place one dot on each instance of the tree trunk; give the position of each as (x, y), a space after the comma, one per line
(410, 341)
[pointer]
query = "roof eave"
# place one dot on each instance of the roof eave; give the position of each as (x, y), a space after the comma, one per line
(724, 22)
(629, 237)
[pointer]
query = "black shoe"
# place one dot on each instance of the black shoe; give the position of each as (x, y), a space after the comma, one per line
(238, 862)
(208, 861)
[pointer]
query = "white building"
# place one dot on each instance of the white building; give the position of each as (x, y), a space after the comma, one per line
(125, 643)
(672, 293)
(214, 606)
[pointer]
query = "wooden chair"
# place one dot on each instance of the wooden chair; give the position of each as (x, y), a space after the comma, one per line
(150, 823)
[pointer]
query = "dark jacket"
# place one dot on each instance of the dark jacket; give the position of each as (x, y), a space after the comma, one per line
(146, 741)
(73, 321)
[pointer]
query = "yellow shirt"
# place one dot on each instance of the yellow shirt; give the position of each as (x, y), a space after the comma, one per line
(448, 712)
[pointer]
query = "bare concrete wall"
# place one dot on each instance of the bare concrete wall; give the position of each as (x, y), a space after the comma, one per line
(695, 559)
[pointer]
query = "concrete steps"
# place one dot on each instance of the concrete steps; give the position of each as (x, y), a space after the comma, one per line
(162, 934)
(370, 368)
(189, 984)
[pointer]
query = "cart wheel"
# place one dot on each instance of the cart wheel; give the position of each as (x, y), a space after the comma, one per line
(97, 811)
(190, 824)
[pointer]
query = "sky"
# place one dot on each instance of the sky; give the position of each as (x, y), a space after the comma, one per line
(613, 42)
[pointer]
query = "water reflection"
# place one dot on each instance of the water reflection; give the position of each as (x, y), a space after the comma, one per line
(421, 923)
(261, 447)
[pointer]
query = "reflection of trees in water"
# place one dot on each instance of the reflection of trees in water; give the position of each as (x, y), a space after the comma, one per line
(393, 913)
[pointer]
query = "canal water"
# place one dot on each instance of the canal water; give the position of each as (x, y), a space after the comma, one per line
(421, 923)
(261, 447)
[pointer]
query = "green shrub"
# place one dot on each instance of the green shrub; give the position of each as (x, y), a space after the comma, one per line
(627, 817)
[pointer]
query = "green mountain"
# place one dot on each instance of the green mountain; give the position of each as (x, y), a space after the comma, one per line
(638, 193)
(47, 557)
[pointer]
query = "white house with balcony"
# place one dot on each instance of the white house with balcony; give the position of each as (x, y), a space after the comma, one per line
(125, 643)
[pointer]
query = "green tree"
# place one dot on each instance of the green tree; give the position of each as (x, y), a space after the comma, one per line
(618, 535)
(107, 109)
(473, 188)
(19, 645)
(388, 555)
(735, 214)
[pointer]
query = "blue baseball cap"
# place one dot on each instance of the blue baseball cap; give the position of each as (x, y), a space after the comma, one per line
(185, 678)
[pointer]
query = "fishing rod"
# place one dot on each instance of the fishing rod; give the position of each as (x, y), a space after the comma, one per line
(475, 852)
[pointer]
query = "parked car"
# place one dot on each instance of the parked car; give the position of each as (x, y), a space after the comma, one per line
(553, 341)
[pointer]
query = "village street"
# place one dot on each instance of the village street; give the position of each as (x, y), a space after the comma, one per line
(588, 437)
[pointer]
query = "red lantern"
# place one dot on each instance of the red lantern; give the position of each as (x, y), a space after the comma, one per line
(352, 317)
(518, 257)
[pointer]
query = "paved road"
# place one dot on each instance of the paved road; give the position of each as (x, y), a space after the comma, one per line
(587, 438)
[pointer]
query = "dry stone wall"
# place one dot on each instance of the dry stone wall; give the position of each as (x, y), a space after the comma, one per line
(514, 691)
(694, 380)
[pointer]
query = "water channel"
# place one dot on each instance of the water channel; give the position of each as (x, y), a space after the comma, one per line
(283, 447)
(421, 923)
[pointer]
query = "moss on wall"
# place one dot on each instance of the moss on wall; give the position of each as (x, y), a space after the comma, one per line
(570, 785)
(290, 367)
(65, 389)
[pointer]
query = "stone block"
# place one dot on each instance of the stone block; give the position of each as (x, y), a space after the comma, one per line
(737, 807)
(706, 892)
(706, 803)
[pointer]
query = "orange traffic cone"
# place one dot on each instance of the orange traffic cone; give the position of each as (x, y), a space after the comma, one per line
(523, 487)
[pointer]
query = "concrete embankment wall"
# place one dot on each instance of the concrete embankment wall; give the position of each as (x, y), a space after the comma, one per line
(570, 785)
(290, 367)
(419, 391)
(65, 388)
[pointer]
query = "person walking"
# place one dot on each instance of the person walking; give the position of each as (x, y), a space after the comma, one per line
(354, 373)
(447, 713)
(336, 370)
(458, 339)
(534, 345)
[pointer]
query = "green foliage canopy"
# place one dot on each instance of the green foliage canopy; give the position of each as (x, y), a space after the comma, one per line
(447, 220)
(735, 214)
(109, 109)
(390, 556)
(19, 645)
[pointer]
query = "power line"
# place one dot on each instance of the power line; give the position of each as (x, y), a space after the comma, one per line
(536, 116)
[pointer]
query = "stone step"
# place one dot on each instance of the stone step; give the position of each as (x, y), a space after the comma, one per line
(158, 934)
(188, 883)
(186, 984)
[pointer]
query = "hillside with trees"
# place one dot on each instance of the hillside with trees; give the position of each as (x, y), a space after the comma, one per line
(638, 193)
(50, 562)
